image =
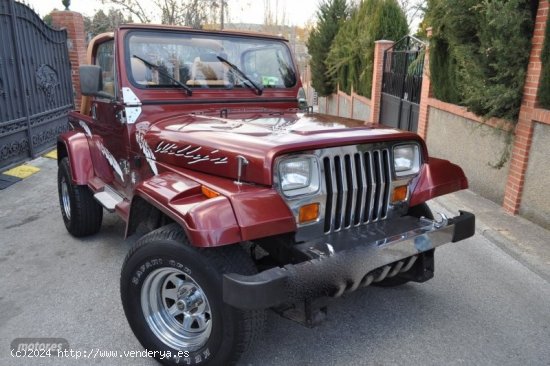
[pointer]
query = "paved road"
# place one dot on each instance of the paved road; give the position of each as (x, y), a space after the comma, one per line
(482, 308)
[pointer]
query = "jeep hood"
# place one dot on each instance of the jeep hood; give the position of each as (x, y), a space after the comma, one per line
(213, 145)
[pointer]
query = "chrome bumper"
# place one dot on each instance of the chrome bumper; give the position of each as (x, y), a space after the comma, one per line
(346, 260)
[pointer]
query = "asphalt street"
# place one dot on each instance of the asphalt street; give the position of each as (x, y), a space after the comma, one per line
(484, 307)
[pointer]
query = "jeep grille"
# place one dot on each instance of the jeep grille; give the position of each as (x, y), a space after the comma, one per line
(358, 188)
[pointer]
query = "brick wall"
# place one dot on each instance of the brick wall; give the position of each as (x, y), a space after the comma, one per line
(352, 106)
(74, 24)
(524, 129)
(531, 118)
(378, 71)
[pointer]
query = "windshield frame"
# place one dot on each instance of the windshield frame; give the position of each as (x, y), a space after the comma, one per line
(206, 35)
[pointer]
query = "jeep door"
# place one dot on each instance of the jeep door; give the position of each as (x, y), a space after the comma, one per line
(109, 144)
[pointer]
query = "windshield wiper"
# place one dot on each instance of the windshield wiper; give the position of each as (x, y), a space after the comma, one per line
(255, 86)
(165, 74)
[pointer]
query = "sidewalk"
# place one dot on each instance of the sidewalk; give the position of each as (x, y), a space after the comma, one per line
(523, 240)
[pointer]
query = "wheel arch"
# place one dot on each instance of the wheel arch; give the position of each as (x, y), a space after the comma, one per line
(438, 177)
(74, 146)
(207, 222)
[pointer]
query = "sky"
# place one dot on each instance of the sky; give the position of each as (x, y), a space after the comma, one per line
(297, 12)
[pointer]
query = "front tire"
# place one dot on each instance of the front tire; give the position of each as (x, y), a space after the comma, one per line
(81, 213)
(172, 296)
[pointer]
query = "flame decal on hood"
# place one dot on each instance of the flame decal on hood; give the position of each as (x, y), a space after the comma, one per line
(189, 152)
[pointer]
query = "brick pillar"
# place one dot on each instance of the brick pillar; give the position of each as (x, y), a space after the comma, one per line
(525, 125)
(376, 95)
(337, 100)
(76, 41)
(425, 93)
(352, 101)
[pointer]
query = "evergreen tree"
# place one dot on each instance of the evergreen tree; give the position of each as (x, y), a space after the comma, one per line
(330, 16)
(351, 57)
(48, 19)
(104, 22)
(544, 89)
(479, 53)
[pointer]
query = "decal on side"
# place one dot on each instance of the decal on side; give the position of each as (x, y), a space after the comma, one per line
(149, 155)
(85, 127)
(111, 159)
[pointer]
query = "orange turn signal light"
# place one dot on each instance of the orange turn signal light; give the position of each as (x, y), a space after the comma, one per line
(210, 193)
(400, 194)
(308, 213)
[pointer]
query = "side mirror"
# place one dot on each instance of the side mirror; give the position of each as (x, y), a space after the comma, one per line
(302, 104)
(91, 83)
(302, 100)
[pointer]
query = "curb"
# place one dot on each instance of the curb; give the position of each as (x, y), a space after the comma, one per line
(508, 246)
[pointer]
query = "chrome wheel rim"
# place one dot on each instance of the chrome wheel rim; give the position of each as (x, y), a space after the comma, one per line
(65, 199)
(176, 309)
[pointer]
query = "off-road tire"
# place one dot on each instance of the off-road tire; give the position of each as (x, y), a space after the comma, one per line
(81, 213)
(417, 211)
(168, 249)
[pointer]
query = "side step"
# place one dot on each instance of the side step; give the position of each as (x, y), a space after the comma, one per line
(108, 198)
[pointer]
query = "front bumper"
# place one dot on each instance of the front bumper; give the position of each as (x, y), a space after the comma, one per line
(345, 260)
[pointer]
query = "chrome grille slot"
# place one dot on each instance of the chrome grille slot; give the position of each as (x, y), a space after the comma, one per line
(361, 189)
(340, 191)
(358, 188)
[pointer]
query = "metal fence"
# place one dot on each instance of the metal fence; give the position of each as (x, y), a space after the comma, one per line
(402, 83)
(35, 83)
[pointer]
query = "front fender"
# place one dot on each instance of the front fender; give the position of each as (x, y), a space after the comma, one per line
(207, 222)
(437, 178)
(74, 145)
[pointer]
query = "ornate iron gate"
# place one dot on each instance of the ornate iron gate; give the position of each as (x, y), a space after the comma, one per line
(35, 83)
(402, 84)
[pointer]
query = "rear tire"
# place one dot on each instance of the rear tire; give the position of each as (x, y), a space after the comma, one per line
(421, 210)
(172, 296)
(82, 214)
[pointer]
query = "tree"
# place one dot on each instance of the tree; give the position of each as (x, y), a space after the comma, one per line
(414, 9)
(351, 57)
(330, 16)
(102, 22)
(544, 89)
(479, 54)
(192, 13)
(48, 19)
(277, 17)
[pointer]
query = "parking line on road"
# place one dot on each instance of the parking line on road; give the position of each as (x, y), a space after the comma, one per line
(22, 171)
(51, 155)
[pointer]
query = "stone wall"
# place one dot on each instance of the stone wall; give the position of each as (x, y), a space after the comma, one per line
(471, 145)
(535, 204)
(349, 106)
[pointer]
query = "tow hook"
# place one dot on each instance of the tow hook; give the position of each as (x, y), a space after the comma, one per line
(443, 221)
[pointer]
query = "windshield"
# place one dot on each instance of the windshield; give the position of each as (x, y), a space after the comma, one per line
(196, 60)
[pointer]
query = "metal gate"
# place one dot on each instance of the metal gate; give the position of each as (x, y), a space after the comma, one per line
(35, 84)
(402, 84)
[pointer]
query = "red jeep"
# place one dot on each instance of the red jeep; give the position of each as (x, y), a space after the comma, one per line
(244, 201)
